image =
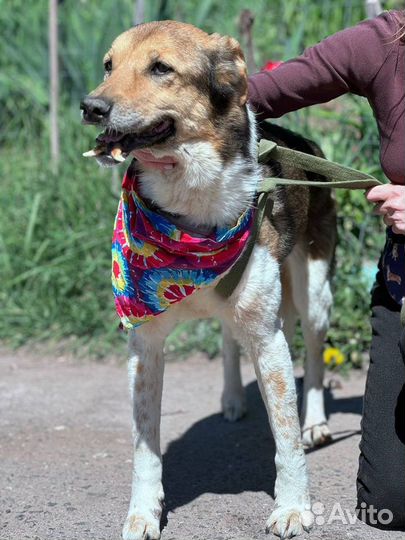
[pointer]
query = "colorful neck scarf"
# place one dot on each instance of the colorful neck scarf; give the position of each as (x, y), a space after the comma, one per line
(393, 265)
(155, 264)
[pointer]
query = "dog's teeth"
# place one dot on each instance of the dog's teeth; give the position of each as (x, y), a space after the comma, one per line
(117, 154)
(90, 153)
(94, 152)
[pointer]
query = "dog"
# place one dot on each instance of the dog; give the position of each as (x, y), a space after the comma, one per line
(170, 89)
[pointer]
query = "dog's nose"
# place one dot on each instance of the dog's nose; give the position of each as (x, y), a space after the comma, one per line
(95, 109)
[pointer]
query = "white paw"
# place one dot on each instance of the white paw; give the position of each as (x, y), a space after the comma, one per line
(137, 527)
(316, 435)
(287, 523)
(233, 405)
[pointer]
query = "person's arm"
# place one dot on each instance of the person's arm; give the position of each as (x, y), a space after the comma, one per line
(344, 62)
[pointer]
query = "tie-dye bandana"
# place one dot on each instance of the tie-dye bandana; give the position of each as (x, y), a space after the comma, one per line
(393, 265)
(155, 264)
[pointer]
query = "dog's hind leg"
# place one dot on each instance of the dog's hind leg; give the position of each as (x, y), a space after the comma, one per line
(288, 311)
(313, 298)
(146, 366)
(233, 399)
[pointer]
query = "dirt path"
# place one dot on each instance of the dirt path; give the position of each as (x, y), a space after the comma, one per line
(65, 455)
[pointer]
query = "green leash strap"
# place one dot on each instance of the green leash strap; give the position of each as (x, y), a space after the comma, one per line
(338, 176)
(229, 282)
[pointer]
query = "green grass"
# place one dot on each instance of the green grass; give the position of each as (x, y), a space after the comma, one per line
(55, 230)
(55, 235)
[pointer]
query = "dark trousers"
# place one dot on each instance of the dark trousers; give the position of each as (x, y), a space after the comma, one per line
(381, 476)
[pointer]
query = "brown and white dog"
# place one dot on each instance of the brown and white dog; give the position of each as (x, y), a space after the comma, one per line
(177, 91)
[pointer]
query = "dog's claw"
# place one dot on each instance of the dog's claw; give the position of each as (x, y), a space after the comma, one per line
(138, 528)
(316, 435)
(289, 523)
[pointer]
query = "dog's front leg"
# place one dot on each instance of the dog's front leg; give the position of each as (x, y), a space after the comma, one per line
(275, 375)
(146, 366)
(256, 305)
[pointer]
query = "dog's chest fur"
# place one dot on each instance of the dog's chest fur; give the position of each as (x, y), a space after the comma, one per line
(204, 189)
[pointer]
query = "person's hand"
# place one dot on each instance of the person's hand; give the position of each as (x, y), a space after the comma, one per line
(389, 202)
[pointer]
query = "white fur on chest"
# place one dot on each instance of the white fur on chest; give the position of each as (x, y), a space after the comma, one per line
(202, 188)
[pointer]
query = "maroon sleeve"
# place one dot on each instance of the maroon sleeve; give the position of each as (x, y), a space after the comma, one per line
(344, 62)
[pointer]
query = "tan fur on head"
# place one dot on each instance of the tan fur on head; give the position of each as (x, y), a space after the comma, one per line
(207, 70)
(173, 73)
(231, 68)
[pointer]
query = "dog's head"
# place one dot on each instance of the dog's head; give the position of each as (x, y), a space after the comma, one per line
(167, 84)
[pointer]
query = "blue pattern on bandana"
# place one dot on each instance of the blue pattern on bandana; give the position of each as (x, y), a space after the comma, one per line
(393, 266)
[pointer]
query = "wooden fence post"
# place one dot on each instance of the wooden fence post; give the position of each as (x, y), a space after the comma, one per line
(54, 83)
(373, 8)
(139, 12)
(246, 20)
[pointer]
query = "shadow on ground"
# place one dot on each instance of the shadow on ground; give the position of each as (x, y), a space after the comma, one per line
(216, 456)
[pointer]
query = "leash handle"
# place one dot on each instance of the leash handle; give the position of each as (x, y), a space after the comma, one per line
(339, 176)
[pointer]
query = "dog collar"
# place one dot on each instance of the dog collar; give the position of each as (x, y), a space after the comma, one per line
(156, 264)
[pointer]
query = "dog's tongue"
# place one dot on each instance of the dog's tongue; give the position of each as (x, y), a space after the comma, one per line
(147, 158)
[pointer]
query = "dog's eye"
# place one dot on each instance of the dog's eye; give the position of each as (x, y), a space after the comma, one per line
(108, 66)
(159, 68)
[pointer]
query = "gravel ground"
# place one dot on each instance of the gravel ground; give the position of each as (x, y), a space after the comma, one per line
(65, 455)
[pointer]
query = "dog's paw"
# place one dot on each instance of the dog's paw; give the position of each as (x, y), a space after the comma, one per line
(137, 527)
(233, 406)
(287, 523)
(316, 435)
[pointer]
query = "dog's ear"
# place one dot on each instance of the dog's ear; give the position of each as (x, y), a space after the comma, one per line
(228, 73)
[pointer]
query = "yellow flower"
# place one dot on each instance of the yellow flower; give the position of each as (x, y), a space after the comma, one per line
(333, 356)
